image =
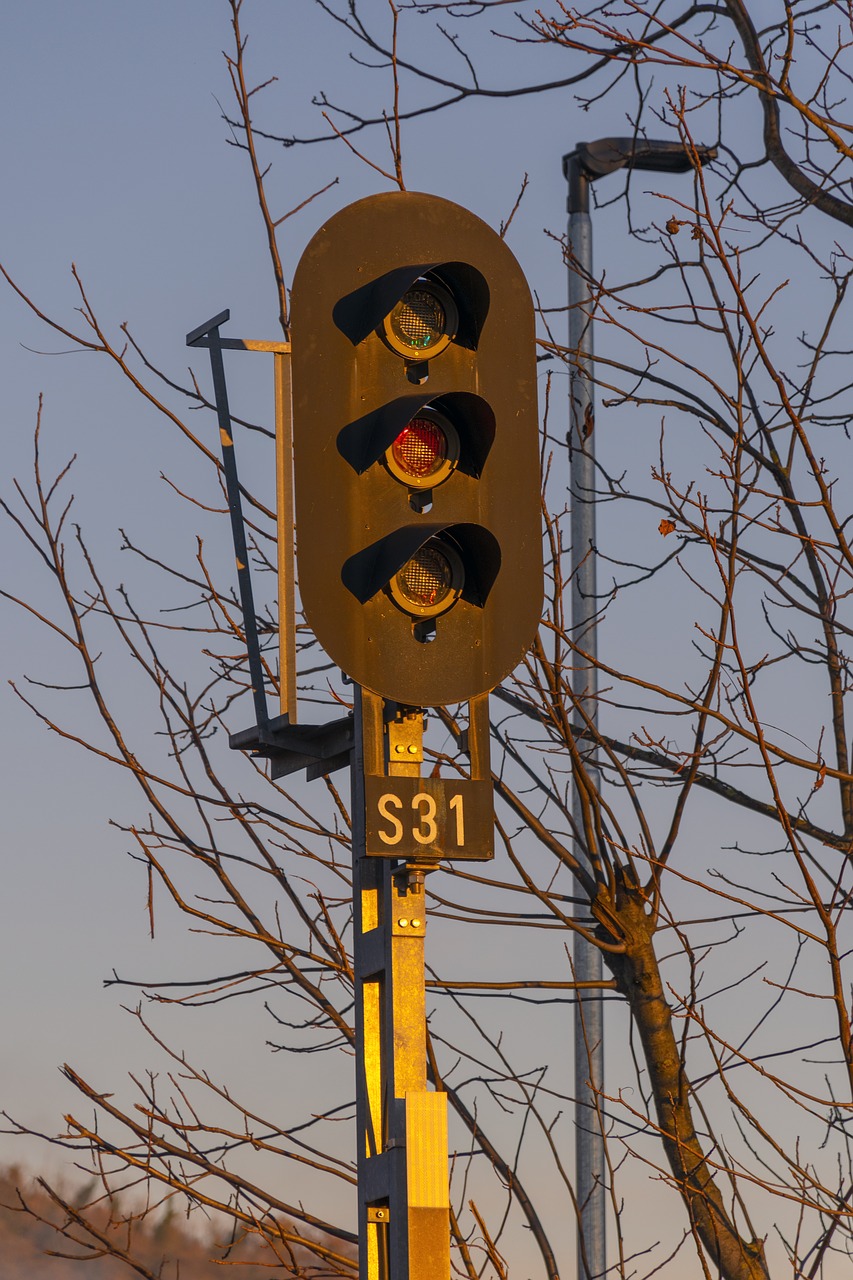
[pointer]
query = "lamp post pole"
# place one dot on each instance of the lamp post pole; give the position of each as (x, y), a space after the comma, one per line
(590, 1183)
(581, 167)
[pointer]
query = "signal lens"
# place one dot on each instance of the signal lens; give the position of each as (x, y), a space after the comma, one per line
(430, 583)
(420, 448)
(418, 320)
(427, 580)
(425, 452)
(423, 322)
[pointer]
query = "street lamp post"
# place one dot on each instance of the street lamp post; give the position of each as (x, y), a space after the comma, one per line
(588, 162)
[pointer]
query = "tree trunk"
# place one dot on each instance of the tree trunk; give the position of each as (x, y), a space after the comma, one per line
(638, 977)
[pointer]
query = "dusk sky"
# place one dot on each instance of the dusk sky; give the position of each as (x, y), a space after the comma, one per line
(116, 158)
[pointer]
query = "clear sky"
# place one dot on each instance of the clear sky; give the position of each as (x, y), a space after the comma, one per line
(116, 158)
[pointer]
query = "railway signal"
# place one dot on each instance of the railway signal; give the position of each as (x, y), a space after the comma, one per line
(416, 449)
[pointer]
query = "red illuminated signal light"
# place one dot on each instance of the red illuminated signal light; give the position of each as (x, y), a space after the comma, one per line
(425, 452)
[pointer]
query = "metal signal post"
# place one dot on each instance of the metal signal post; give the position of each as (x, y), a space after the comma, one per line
(404, 1205)
(417, 486)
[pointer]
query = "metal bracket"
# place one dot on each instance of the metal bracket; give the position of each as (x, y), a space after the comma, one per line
(319, 749)
(406, 740)
(209, 335)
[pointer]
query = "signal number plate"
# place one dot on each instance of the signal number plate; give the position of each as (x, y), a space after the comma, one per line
(429, 818)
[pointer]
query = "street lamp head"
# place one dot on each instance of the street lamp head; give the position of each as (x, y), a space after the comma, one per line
(592, 160)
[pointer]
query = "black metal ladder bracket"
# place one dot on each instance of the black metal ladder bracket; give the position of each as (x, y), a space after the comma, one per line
(319, 749)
